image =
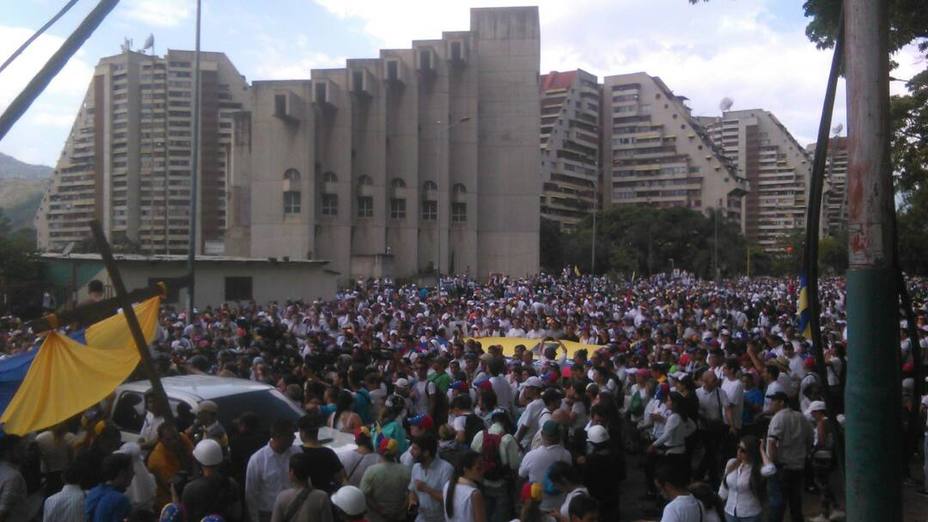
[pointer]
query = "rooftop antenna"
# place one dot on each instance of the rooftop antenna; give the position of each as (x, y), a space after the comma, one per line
(726, 104)
(126, 44)
(836, 130)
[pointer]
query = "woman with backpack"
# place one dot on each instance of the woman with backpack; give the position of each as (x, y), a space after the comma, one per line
(500, 458)
(463, 501)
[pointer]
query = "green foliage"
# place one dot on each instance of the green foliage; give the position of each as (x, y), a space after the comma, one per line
(908, 21)
(18, 261)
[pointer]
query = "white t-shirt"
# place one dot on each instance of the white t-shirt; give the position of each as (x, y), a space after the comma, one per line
(684, 508)
(536, 463)
(735, 391)
(463, 502)
(529, 418)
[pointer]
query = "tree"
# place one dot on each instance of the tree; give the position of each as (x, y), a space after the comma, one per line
(551, 246)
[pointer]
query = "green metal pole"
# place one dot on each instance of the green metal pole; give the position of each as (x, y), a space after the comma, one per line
(873, 395)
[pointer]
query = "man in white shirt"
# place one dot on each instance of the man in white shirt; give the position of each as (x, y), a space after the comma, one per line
(502, 388)
(429, 475)
(268, 471)
(715, 423)
(536, 462)
(681, 506)
(68, 504)
(734, 389)
(528, 422)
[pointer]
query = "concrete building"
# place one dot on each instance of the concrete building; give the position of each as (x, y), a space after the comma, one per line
(126, 161)
(655, 152)
(570, 141)
(776, 167)
(418, 159)
(220, 279)
(834, 204)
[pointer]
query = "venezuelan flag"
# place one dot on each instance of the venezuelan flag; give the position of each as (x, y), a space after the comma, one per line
(802, 310)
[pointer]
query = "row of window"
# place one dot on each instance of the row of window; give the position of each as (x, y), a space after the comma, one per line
(365, 207)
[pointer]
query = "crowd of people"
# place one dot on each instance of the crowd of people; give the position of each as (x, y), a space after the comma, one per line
(708, 387)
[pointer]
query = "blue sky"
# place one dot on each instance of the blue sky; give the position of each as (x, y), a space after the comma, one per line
(753, 51)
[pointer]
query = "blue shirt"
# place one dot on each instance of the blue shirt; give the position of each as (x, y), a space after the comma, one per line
(752, 397)
(104, 503)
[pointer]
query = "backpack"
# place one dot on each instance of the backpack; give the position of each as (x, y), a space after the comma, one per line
(492, 465)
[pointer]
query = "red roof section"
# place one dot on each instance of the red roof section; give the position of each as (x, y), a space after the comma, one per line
(557, 80)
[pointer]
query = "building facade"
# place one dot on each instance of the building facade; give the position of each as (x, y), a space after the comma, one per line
(127, 160)
(775, 165)
(419, 160)
(656, 153)
(570, 140)
(834, 203)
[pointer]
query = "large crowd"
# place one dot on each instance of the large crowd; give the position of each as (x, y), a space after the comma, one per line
(709, 387)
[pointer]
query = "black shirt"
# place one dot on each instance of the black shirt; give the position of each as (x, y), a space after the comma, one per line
(325, 466)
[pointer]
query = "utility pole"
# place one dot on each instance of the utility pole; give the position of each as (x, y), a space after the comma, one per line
(874, 455)
(194, 172)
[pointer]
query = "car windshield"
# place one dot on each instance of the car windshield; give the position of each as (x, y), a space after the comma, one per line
(269, 405)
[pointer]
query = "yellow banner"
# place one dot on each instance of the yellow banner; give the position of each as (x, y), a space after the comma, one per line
(67, 377)
(509, 345)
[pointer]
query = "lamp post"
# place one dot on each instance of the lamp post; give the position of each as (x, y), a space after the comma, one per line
(441, 127)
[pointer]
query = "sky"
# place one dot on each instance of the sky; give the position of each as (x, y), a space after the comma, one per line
(752, 51)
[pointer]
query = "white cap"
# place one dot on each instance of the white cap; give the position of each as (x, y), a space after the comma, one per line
(350, 500)
(401, 383)
(532, 382)
(597, 434)
(816, 406)
(208, 452)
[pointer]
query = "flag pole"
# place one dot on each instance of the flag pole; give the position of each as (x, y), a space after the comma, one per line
(106, 254)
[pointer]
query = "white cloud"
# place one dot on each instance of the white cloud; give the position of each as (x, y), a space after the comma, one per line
(158, 13)
(283, 60)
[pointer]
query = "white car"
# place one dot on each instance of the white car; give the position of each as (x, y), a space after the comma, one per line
(233, 397)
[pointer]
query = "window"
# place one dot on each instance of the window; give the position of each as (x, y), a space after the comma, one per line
(329, 177)
(456, 54)
(397, 208)
(365, 206)
(398, 183)
(293, 176)
(393, 72)
(238, 289)
(458, 212)
(280, 105)
(292, 202)
(329, 205)
(430, 185)
(429, 210)
(425, 59)
(459, 189)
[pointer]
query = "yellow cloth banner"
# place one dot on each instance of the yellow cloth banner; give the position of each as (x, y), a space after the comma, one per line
(509, 345)
(67, 377)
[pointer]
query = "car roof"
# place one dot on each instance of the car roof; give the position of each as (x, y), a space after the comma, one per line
(200, 387)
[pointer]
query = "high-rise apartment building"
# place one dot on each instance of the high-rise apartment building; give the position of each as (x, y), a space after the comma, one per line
(776, 167)
(569, 146)
(127, 159)
(834, 203)
(654, 152)
(420, 159)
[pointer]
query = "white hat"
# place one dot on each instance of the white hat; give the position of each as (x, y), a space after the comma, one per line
(532, 382)
(816, 406)
(208, 452)
(350, 500)
(401, 383)
(597, 434)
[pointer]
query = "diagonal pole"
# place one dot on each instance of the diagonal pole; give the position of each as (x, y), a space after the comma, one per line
(106, 254)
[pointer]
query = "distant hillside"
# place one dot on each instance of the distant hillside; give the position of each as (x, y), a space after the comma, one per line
(21, 188)
(11, 167)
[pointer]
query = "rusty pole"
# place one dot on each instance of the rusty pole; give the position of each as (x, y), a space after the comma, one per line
(874, 421)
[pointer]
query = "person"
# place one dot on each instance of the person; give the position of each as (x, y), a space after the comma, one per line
(207, 425)
(344, 419)
(349, 504)
(753, 404)
(429, 475)
(788, 439)
(247, 438)
(462, 499)
(743, 488)
(12, 484)
(823, 460)
(268, 470)
(95, 291)
(302, 502)
(171, 457)
(56, 450)
(671, 445)
(583, 508)
(105, 442)
(68, 504)
(211, 493)
(716, 422)
(536, 463)
(600, 471)
(385, 485)
(682, 506)
(528, 422)
(326, 471)
(142, 489)
(391, 424)
(355, 463)
(710, 502)
(565, 478)
(106, 502)
(501, 458)
(148, 437)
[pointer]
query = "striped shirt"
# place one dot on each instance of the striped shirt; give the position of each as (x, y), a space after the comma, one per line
(65, 506)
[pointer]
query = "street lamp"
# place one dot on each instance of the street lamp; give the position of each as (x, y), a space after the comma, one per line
(438, 213)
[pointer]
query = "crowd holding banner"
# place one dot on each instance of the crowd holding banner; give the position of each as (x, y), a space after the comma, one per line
(529, 399)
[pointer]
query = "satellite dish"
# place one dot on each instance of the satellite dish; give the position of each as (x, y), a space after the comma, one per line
(726, 104)
(67, 249)
(836, 130)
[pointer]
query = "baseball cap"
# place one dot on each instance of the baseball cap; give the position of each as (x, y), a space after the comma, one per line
(401, 383)
(532, 382)
(550, 429)
(208, 406)
(817, 406)
(597, 434)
